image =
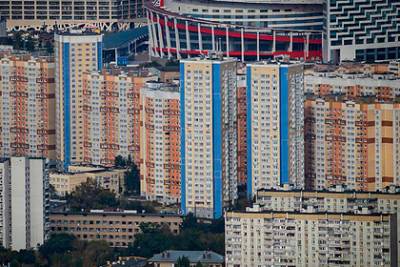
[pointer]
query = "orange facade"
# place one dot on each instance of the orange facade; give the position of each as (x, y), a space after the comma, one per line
(27, 107)
(160, 146)
(241, 133)
(351, 143)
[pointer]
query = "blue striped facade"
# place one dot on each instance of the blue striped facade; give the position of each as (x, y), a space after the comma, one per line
(248, 134)
(217, 139)
(182, 110)
(284, 124)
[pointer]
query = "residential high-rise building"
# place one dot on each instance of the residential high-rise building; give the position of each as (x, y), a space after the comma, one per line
(336, 199)
(208, 135)
(160, 142)
(273, 238)
(361, 30)
(27, 107)
(275, 152)
(138, 84)
(75, 54)
(107, 117)
(241, 129)
(24, 197)
(352, 143)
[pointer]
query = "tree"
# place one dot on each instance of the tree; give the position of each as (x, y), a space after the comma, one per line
(18, 42)
(5, 255)
(90, 195)
(57, 244)
(183, 262)
(96, 253)
(120, 162)
(49, 47)
(30, 44)
(199, 264)
(132, 180)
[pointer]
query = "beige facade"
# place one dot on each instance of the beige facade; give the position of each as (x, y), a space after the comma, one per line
(117, 228)
(256, 238)
(354, 80)
(332, 201)
(27, 107)
(111, 179)
(75, 54)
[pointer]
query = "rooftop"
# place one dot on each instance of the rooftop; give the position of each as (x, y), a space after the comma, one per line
(193, 256)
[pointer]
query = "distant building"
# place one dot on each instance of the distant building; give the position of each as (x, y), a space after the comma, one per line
(66, 183)
(75, 54)
(107, 117)
(354, 80)
(169, 258)
(269, 238)
(275, 123)
(24, 198)
(208, 136)
(117, 228)
(27, 107)
(104, 15)
(354, 143)
(160, 147)
(362, 31)
(167, 74)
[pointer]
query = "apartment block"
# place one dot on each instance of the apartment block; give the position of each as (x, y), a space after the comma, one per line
(27, 107)
(337, 200)
(353, 80)
(355, 143)
(138, 83)
(75, 53)
(275, 123)
(160, 142)
(107, 117)
(257, 238)
(24, 198)
(361, 30)
(117, 228)
(241, 129)
(66, 182)
(208, 135)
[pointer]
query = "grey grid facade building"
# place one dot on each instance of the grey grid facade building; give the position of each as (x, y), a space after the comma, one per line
(361, 29)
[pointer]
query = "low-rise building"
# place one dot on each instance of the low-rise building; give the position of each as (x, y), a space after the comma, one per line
(273, 238)
(117, 228)
(169, 258)
(66, 182)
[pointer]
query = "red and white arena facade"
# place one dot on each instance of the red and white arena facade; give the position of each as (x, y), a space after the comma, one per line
(249, 30)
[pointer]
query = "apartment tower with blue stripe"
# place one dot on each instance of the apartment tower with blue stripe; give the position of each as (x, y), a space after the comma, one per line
(275, 123)
(76, 53)
(208, 135)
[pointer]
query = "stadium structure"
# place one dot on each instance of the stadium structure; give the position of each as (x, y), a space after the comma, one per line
(249, 30)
